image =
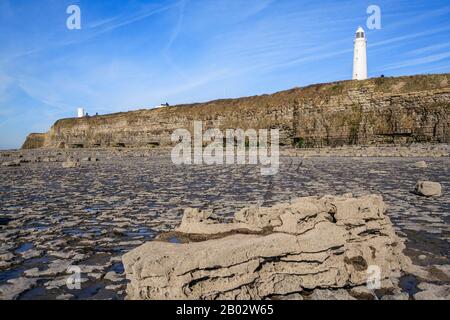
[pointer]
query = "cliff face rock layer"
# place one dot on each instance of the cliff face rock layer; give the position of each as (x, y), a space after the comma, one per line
(309, 243)
(34, 141)
(381, 110)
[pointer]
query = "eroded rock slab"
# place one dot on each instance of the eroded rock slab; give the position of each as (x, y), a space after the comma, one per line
(306, 244)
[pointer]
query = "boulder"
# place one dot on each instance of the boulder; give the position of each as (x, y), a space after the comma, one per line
(428, 189)
(71, 164)
(326, 243)
(421, 164)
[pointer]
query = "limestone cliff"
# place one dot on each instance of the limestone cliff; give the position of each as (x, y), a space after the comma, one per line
(34, 141)
(380, 110)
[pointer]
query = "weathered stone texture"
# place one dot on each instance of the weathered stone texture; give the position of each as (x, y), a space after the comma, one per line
(306, 244)
(34, 141)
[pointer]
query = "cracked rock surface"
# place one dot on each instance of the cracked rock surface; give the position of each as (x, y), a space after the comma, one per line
(305, 244)
(90, 216)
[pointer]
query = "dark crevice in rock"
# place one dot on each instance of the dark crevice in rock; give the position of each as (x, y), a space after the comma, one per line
(359, 263)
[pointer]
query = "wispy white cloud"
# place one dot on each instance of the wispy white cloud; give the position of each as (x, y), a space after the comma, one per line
(412, 36)
(415, 17)
(173, 36)
(428, 49)
(98, 28)
(5, 84)
(256, 8)
(418, 61)
(99, 23)
(118, 23)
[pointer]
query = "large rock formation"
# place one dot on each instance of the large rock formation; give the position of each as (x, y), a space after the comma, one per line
(382, 110)
(309, 243)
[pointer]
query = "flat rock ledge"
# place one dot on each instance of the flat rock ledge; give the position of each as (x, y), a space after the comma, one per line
(287, 250)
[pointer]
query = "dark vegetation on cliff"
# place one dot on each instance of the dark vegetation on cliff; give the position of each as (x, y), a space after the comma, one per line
(379, 110)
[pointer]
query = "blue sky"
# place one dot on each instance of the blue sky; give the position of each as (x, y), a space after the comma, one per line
(137, 54)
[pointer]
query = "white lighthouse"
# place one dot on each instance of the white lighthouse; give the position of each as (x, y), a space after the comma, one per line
(80, 112)
(360, 56)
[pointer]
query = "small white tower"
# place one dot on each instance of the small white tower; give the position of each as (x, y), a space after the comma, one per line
(80, 112)
(360, 56)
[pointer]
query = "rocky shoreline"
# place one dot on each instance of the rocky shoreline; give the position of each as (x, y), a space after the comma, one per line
(417, 150)
(115, 200)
